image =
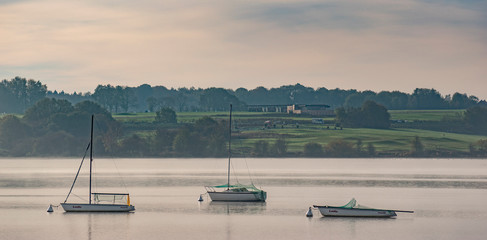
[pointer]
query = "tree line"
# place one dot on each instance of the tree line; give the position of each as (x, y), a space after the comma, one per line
(346, 149)
(55, 127)
(18, 94)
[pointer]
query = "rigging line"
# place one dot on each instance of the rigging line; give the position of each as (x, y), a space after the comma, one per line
(95, 181)
(76, 177)
(248, 171)
(230, 149)
(99, 127)
(235, 173)
(120, 175)
(82, 198)
(95, 178)
(245, 159)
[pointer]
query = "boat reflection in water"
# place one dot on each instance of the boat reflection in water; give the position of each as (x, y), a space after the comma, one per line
(247, 208)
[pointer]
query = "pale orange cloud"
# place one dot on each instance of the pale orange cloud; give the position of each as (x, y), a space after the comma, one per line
(374, 44)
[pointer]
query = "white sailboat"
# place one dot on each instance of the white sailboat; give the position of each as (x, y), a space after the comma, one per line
(98, 202)
(352, 209)
(235, 192)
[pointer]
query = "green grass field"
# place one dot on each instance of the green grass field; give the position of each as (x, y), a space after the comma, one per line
(409, 115)
(389, 140)
(426, 115)
(188, 117)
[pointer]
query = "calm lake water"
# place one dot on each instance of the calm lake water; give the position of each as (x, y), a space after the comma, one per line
(448, 196)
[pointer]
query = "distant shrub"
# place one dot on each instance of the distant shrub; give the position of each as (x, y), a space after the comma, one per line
(340, 148)
(417, 147)
(279, 148)
(166, 115)
(261, 148)
(313, 150)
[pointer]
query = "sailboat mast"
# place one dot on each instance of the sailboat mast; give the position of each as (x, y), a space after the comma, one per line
(91, 153)
(229, 146)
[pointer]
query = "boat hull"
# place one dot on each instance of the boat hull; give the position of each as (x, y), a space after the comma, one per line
(355, 212)
(238, 196)
(82, 207)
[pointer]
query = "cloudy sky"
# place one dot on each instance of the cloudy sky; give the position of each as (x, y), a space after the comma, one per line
(364, 44)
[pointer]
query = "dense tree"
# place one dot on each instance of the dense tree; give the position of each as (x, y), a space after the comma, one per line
(43, 111)
(313, 150)
(58, 143)
(110, 132)
(52, 124)
(218, 99)
(181, 100)
(279, 148)
(18, 94)
(370, 115)
(335, 97)
(7, 101)
(476, 118)
(261, 148)
(462, 101)
(351, 117)
(92, 108)
(182, 142)
(35, 91)
(166, 115)
(370, 149)
(214, 134)
(74, 98)
(105, 96)
(375, 115)
(340, 148)
(482, 145)
(357, 99)
(298, 94)
(417, 147)
(12, 132)
(115, 99)
(134, 146)
(423, 98)
(242, 94)
(142, 93)
(163, 140)
(259, 95)
(126, 98)
(151, 103)
(358, 146)
(392, 100)
(206, 138)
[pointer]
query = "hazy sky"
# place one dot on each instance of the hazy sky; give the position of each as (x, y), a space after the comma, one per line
(363, 44)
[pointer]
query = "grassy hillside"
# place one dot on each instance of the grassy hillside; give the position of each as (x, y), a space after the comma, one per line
(426, 115)
(299, 130)
(391, 140)
(409, 115)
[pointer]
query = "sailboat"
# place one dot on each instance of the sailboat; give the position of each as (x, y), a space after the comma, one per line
(235, 192)
(98, 202)
(352, 209)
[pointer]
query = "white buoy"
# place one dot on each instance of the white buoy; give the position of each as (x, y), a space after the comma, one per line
(200, 199)
(50, 208)
(309, 213)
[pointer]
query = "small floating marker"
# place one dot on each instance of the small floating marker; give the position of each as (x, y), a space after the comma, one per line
(309, 213)
(200, 199)
(50, 208)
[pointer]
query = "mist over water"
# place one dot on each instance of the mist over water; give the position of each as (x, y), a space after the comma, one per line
(447, 195)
